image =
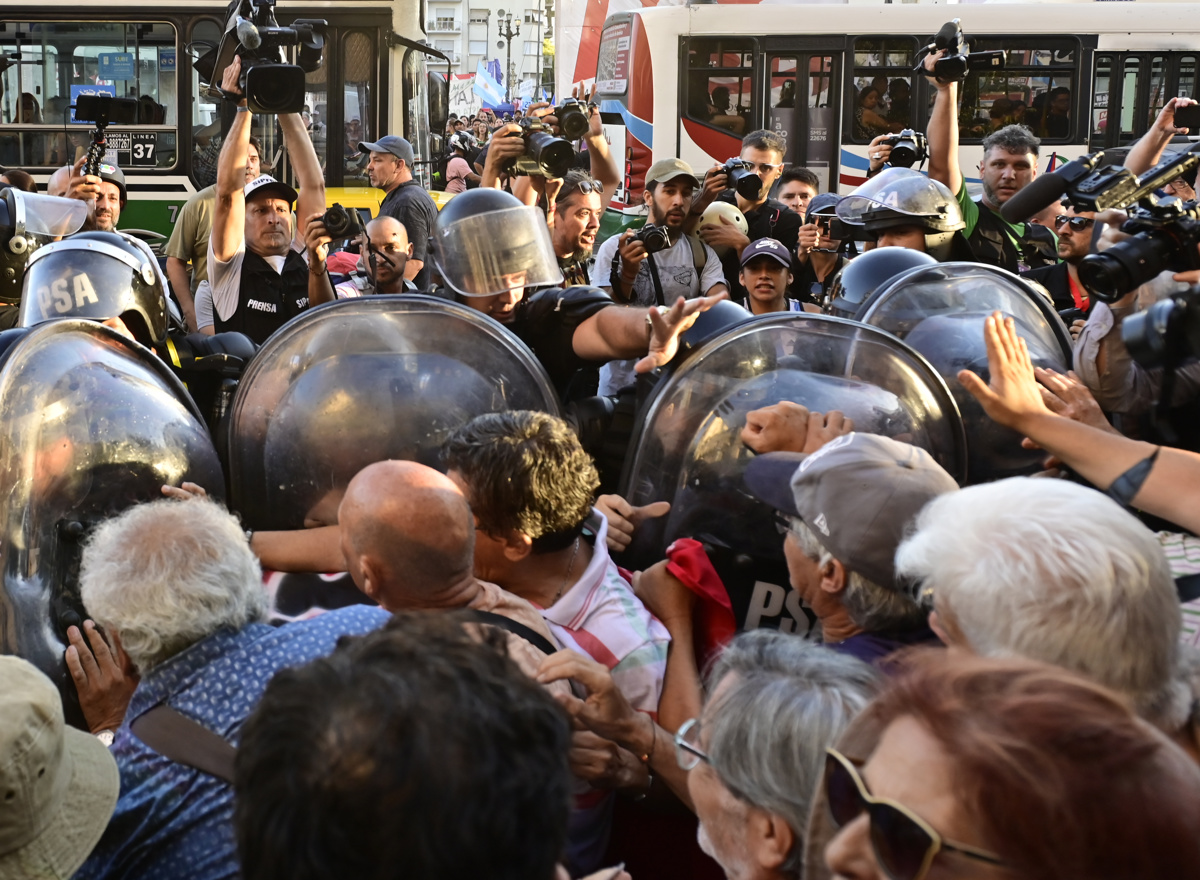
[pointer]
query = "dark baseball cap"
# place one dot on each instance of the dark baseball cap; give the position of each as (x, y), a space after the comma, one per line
(821, 204)
(266, 185)
(767, 247)
(858, 494)
(397, 146)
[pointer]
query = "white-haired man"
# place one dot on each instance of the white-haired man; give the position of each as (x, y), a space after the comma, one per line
(177, 584)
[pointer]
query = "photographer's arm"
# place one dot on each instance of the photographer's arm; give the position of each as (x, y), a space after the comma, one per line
(943, 130)
(506, 144)
(229, 213)
(311, 180)
(603, 167)
(1148, 150)
(316, 242)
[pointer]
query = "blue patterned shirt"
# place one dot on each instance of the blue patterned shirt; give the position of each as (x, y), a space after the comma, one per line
(173, 821)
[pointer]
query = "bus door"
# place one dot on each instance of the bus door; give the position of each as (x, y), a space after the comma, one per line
(1131, 88)
(801, 103)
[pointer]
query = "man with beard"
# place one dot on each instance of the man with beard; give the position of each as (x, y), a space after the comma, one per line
(105, 194)
(1074, 230)
(1010, 156)
(390, 169)
(576, 220)
(687, 268)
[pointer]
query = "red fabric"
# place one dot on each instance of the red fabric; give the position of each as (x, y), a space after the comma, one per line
(715, 624)
(341, 262)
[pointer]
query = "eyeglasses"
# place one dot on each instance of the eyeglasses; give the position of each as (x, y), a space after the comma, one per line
(756, 167)
(583, 186)
(904, 843)
(687, 750)
(1077, 224)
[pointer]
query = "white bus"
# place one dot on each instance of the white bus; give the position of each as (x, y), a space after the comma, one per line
(371, 82)
(689, 81)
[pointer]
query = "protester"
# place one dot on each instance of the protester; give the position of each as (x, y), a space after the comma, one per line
(574, 219)
(797, 188)
(391, 170)
(767, 273)
(105, 194)
(458, 171)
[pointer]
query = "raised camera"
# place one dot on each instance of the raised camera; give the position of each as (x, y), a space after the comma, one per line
(342, 223)
(653, 238)
(742, 179)
(908, 148)
(574, 118)
(545, 155)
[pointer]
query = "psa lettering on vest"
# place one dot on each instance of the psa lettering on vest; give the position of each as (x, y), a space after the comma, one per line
(64, 295)
(768, 604)
(261, 306)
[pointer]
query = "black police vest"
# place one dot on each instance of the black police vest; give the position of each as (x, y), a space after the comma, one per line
(992, 243)
(267, 299)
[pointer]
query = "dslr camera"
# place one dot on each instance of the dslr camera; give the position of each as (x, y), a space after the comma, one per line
(908, 148)
(747, 184)
(959, 60)
(342, 223)
(574, 118)
(653, 238)
(545, 155)
(253, 34)
(1165, 237)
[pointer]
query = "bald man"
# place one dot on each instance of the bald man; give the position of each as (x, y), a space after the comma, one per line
(60, 182)
(408, 537)
(384, 251)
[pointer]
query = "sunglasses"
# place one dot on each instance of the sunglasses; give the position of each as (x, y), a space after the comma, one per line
(1077, 224)
(764, 167)
(583, 186)
(905, 844)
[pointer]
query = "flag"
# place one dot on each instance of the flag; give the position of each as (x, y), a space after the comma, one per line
(487, 88)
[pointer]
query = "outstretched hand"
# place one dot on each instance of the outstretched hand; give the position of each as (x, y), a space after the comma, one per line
(666, 328)
(104, 678)
(1012, 396)
(605, 711)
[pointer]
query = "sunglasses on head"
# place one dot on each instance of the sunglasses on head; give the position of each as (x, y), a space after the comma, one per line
(1077, 224)
(583, 186)
(905, 844)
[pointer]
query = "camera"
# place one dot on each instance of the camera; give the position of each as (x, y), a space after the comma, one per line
(1165, 237)
(747, 184)
(545, 155)
(253, 34)
(653, 238)
(908, 148)
(342, 223)
(959, 61)
(574, 118)
(102, 111)
(1165, 333)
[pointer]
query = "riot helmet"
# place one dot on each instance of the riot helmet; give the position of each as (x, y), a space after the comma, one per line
(903, 197)
(97, 275)
(861, 277)
(114, 175)
(27, 222)
(485, 242)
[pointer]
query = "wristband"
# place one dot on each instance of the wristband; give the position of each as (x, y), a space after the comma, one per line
(645, 759)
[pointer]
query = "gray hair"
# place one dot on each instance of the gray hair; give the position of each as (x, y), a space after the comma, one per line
(1053, 571)
(169, 573)
(1013, 139)
(873, 607)
(768, 734)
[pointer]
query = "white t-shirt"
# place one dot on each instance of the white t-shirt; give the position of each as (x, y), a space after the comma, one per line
(677, 272)
(226, 278)
(204, 305)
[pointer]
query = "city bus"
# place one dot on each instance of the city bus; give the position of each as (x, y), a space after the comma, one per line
(372, 82)
(689, 81)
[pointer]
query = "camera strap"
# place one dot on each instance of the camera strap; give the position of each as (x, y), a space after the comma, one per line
(659, 299)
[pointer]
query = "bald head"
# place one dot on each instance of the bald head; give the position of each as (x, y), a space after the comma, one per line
(386, 228)
(407, 534)
(389, 242)
(59, 182)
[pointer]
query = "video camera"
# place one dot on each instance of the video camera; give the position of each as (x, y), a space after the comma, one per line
(253, 34)
(545, 155)
(747, 184)
(959, 60)
(102, 111)
(908, 148)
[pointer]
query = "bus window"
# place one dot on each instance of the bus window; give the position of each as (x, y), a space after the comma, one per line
(62, 60)
(1036, 89)
(720, 84)
(416, 113)
(1129, 76)
(1186, 86)
(1100, 101)
(358, 65)
(881, 99)
(1158, 88)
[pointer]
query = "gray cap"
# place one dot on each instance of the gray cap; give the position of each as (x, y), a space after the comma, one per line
(858, 493)
(397, 146)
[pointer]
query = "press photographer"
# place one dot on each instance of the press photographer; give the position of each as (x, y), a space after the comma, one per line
(94, 179)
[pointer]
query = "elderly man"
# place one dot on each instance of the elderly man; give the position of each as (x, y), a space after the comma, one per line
(176, 583)
(848, 505)
(391, 169)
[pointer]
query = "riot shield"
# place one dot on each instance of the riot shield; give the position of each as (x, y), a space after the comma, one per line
(689, 451)
(940, 311)
(363, 380)
(93, 424)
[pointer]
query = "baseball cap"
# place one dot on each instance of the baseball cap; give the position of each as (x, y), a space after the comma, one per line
(397, 146)
(669, 169)
(60, 784)
(858, 493)
(767, 247)
(265, 184)
(821, 204)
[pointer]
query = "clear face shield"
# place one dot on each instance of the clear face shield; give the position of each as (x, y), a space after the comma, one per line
(903, 191)
(497, 251)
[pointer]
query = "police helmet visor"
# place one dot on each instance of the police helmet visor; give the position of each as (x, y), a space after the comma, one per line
(48, 215)
(497, 251)
(904, 192)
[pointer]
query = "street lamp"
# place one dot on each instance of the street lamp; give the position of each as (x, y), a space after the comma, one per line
(508, 33)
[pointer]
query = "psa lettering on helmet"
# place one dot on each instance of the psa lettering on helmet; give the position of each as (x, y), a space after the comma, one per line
(65, 295)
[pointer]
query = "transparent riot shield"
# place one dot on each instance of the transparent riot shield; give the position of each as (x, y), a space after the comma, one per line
(93, 424)
(940, 311)
(689, 450)
(359, 381)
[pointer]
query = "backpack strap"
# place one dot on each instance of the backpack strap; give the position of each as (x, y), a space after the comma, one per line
(499, 621)
(184, 741)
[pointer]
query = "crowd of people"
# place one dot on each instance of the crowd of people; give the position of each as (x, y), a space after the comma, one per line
(997, 680)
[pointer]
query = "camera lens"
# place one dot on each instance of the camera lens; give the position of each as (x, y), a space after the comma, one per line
(553, 155)
(573, 123)
(1147, 334)
(1126, 265)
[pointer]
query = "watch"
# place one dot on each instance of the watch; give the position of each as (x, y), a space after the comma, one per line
(106, 737)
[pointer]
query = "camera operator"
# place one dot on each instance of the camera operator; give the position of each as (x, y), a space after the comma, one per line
(1075, 229)
(1010, 156)
(384, 250)
(105, 194)
(390, 169)
(762, 151)
(821, 254)
(259, 278)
